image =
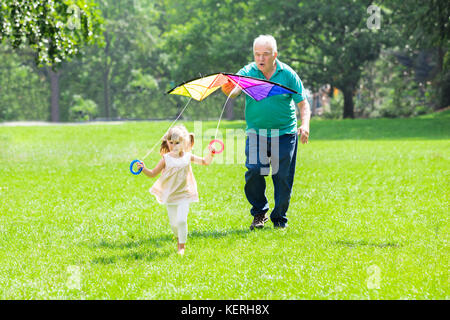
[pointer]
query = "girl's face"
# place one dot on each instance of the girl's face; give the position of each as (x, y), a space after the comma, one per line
(175, 145)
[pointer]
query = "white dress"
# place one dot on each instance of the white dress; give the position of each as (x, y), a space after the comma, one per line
(176, 183)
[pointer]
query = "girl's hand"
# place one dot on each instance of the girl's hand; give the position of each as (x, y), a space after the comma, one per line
(212, 150)
(140, 165)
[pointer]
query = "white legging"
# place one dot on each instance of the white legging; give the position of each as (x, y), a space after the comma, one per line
(178, 220)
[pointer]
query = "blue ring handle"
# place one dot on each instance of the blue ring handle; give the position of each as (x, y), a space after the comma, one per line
(131, 167)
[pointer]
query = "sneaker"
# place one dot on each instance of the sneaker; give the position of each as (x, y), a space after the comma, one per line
(280, 226)
(258, 221)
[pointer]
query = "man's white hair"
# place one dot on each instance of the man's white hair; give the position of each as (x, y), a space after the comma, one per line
(266, 39)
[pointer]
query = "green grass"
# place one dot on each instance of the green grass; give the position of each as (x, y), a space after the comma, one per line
(368, 217)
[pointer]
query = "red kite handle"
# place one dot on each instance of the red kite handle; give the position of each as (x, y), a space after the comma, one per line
(219, 142)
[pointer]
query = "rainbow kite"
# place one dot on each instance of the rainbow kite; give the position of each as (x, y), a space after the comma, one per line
(200, 88)
(257, 89)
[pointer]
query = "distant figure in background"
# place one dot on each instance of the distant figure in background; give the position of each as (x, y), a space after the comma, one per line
(271, 133)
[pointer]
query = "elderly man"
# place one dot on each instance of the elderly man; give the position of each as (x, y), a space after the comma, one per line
(272, 133)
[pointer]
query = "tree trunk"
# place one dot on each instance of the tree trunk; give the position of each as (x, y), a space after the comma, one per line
(348, 102)
(442, 77)
(106, 71)
(314, 104)
(54, 99)
(106, 92)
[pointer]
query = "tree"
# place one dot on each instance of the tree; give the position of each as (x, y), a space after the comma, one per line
(424, 25)
(24, 93)
(127, 77)
(212, 36)
(54, 31)
(329, 42)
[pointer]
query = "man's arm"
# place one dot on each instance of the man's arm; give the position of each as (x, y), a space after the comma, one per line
(305, 115)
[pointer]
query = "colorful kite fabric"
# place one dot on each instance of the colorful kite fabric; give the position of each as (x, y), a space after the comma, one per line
(257, 89)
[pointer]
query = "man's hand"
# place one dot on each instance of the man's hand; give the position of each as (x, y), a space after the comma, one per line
(230, 89)
(305, 115)
(303, 132)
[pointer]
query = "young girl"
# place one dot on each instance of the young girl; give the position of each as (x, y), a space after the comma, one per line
(176, 187)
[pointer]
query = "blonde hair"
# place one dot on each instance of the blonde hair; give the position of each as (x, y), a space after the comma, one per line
(266, 39)
(177, 133)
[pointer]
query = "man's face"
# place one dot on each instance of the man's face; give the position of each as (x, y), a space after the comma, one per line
(264, 57)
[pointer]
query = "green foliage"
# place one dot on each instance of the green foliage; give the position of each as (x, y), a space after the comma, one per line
(54, 30)
(336, 107)
(391, 90)
(141, 81)
(24, 93)
(149, 46)
(334, 39)
(83, 110)
(214, 36)
(425, 25)
(336, 44)
(126, 77)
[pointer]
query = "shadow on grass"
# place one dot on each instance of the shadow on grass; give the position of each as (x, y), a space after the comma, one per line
(144, 256)
(154, 242)
(218, 234)
(363, 243)
(146, 250)
(153, 248)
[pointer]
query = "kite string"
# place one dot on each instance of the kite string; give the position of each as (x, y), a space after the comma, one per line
(223, 109)
(179, 115)
(171, 125)
(221, 114)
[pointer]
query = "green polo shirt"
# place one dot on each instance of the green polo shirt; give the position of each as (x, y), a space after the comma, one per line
(276, 112)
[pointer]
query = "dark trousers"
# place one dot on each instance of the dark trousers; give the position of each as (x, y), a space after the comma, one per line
(278, 153)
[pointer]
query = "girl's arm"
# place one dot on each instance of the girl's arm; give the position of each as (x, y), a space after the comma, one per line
(203, 161)
(155, 171)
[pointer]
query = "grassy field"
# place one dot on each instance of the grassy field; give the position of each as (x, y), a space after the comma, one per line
(369, 216)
